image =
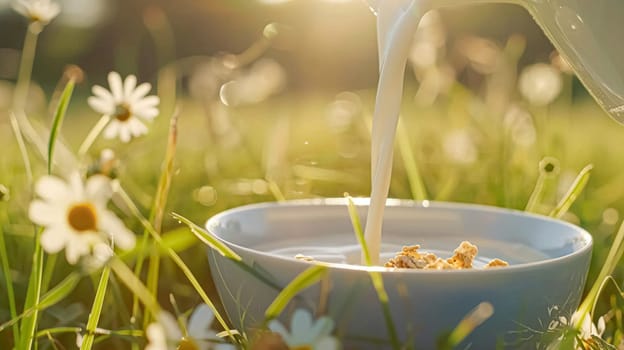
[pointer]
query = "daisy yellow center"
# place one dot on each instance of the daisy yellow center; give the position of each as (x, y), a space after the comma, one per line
(122, 112)
(187, 344)
(301, 347)
(82, 217)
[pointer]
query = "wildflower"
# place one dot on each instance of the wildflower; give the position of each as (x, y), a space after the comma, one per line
(540, 84)
(166, 333)
(584, 334)
(126, 103)
(37, 11)
(588, 329)
(306, 334)
(106, 165)
(75, 217)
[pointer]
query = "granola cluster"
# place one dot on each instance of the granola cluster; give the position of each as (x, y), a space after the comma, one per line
(410, 258)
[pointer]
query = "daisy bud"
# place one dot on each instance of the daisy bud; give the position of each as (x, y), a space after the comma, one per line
(37, 11)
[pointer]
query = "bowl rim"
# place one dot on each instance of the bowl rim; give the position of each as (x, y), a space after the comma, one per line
(394, 202)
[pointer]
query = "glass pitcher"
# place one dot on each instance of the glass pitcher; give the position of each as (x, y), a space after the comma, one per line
(589, 34)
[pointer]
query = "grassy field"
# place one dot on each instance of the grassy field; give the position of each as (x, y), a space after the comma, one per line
(471, 142)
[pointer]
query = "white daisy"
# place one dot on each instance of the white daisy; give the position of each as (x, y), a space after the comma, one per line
(41, 11)
(306, 334)
(75, 216)
(588, 329)
(167, 335)
(126, 103)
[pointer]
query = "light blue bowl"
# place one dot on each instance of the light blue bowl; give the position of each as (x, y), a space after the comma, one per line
(549, 263)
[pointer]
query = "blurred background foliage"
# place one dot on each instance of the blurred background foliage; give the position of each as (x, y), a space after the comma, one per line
(330, 44)
(281, 92)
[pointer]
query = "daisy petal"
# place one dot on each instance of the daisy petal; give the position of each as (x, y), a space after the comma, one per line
(20, 8)
(301, 323)
(129, 85)
(75, 248)
(100, 105)
(124, 133)
(102, 93)
(53, 11)
(200, 321)
(77, 187)
(53, 240)
(51, 188)
(147, 102)
(277, 327)
(136, 127)
(139, 92)
(147, 113)
(170, 325)
(327, 343)
(321, 328)
(156, 337)
(115, 228)
(45, 214)
(98, 189)
(112, 130)
(116, 86)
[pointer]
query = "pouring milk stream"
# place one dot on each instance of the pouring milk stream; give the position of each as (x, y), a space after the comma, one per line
(587, 33)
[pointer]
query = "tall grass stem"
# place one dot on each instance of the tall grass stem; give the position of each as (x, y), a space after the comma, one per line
(176, 259)
(417, 187)
(17, 131)
(158, 209)
(375, 276)
(10, 290)
(96, 310)
(92, 136)
(33, 295)
(25, 66)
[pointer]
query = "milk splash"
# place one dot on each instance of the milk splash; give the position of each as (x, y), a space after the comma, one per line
(397, 20)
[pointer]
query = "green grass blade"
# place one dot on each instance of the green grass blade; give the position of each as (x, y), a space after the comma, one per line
(92, 135)
(385, 306)
(417, 187)
(359, 232)
(134, 284)
(375, 276)
(59, 115)
(60, 291)
(21, 145)
(4, 259)
(55, 295)
(472, 320)
(48, 271)
(536, 195)
(175, 257)
(275, 191)
(613, 257)
(307, 278)
(58, 330)
(33, 296)
(575, 190)
(158, 209)
(208, 238)
(96, 310)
